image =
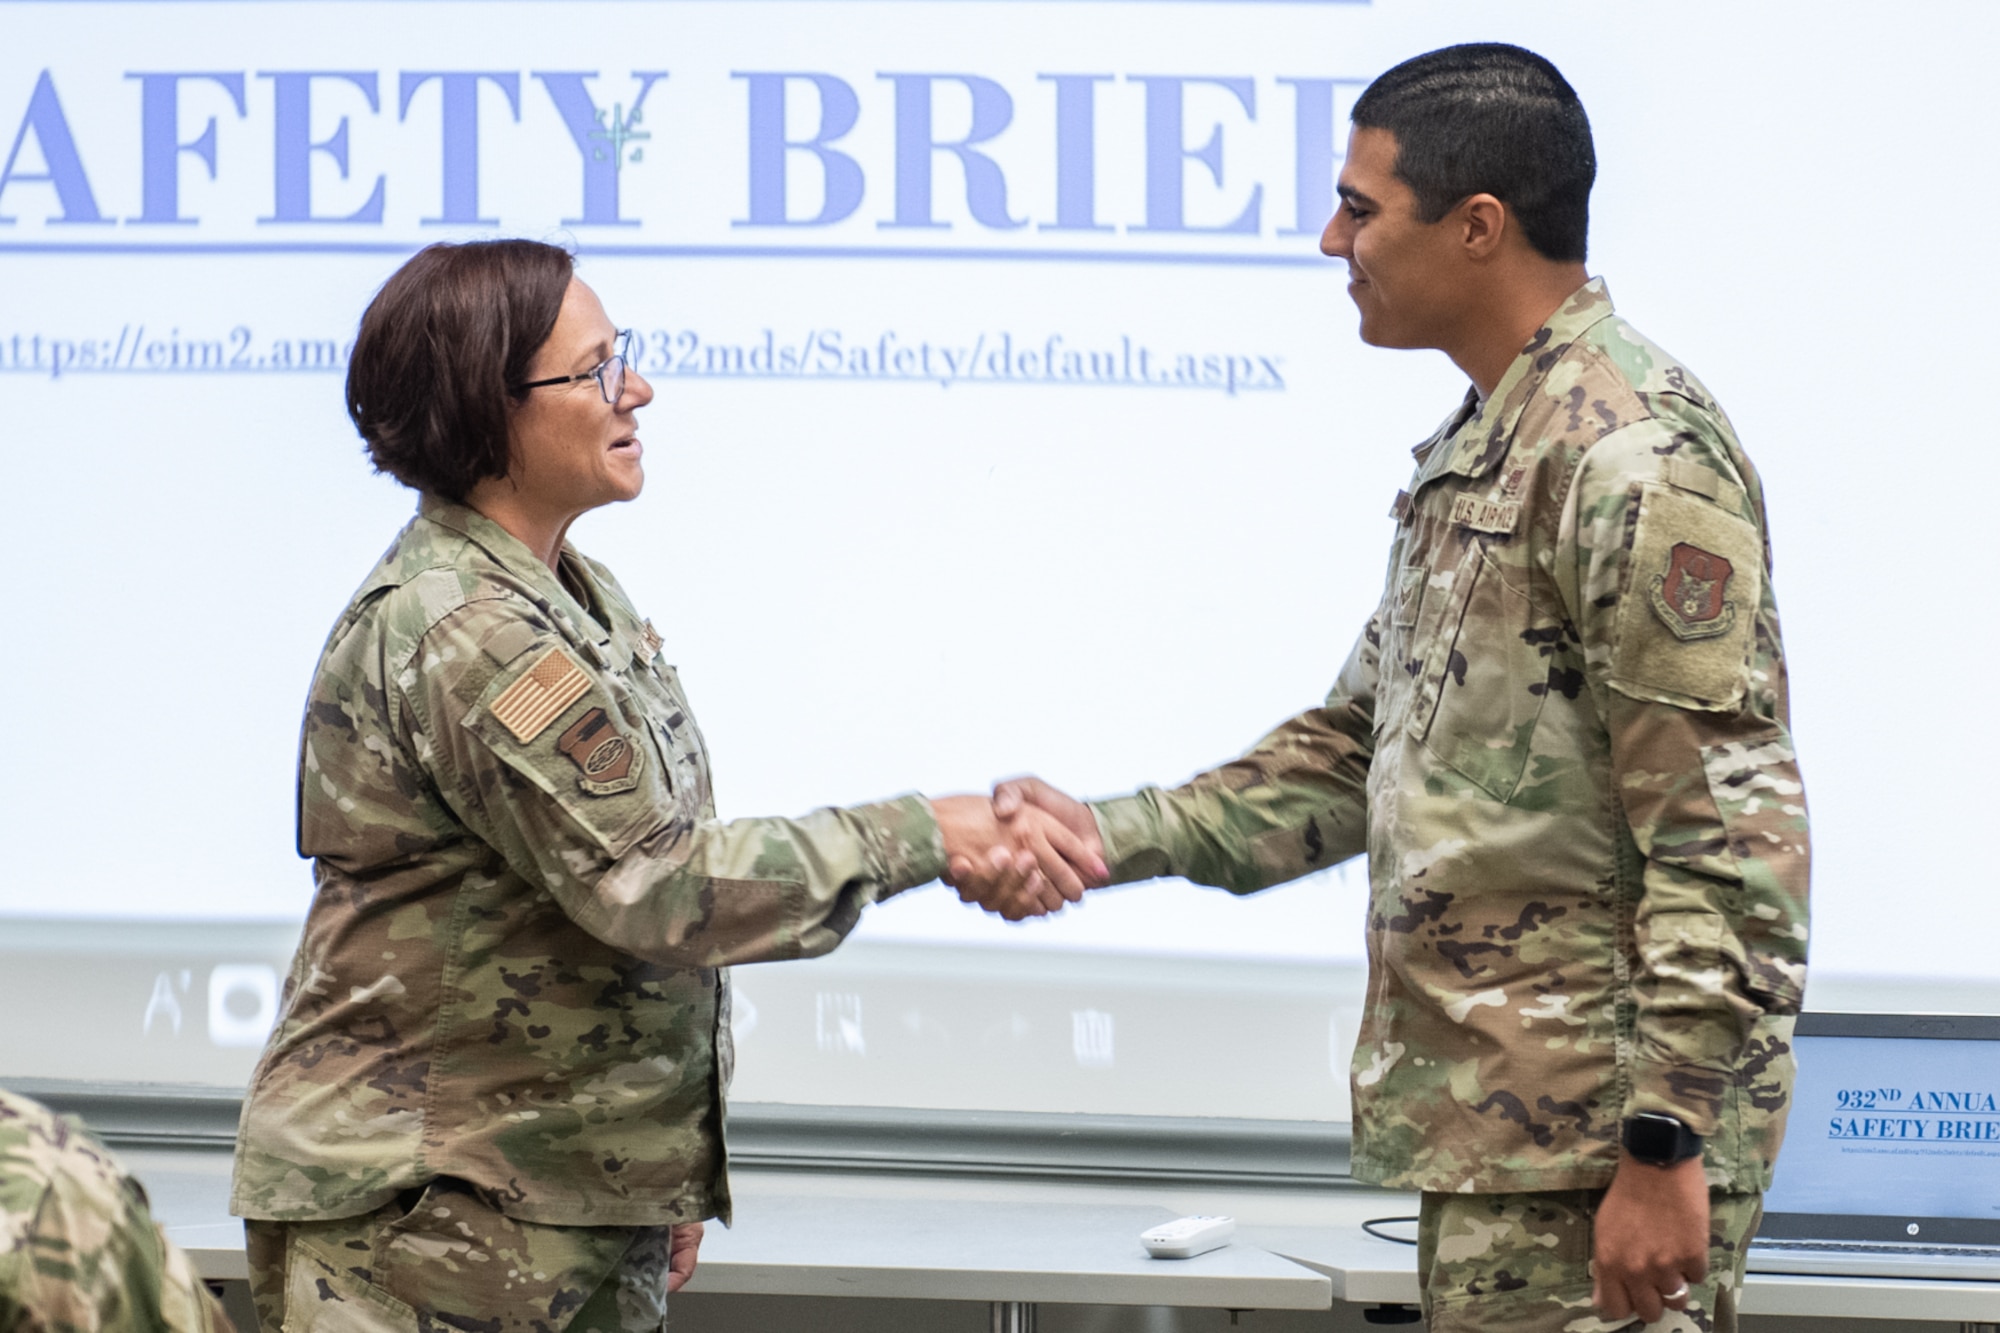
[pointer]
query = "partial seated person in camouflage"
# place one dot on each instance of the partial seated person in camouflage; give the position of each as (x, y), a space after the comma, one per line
(1562, 742)
(494, 1095)
(79, 1250)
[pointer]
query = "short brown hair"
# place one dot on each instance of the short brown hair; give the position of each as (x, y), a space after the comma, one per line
(439, 352)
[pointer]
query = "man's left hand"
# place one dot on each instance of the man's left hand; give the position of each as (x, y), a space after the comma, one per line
(682, 1247)
(1651, 1239)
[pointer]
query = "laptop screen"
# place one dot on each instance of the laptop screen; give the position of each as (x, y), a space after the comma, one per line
(1894, 1132)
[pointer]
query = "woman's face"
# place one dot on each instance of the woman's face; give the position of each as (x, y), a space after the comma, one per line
(568, 449)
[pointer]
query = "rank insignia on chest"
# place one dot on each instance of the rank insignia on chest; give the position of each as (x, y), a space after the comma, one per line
(1400, 510)
(1483, 515)
(652, 639)
(539, 697)
(608, 762)
(1689, 598)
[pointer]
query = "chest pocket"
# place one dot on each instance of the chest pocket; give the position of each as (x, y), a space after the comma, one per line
(683, 754)
(1428, 599)
(1497, 659)
(1403, 652)
(1409, 599)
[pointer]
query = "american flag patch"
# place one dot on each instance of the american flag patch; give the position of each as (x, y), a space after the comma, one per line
(539, 697)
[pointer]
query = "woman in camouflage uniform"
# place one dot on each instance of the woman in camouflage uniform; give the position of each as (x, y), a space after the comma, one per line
(494, 1096)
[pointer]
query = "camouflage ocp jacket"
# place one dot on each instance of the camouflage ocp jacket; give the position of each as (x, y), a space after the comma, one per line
(514, 969)
(79, 1248)
(1561, 741)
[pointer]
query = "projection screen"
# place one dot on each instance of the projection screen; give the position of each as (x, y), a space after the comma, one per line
(1008, 420)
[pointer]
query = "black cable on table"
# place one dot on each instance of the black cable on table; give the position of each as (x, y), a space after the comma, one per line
(1374, 1222)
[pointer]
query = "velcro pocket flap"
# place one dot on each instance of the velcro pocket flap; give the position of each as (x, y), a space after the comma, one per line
(1688, 615)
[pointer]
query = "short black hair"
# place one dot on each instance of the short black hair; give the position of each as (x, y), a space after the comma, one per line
(1488, 118)
(441, 352)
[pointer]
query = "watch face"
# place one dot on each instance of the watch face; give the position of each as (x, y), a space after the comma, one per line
(1659, 1140)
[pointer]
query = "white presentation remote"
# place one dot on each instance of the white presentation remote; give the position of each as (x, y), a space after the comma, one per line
(1185, 1237)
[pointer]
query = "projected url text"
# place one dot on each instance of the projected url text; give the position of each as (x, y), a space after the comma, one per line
(998, 357)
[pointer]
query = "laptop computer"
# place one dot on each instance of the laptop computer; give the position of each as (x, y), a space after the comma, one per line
(1891, 1162)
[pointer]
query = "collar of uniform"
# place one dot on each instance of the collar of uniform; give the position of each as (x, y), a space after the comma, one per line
(573, 620)
(1483, 441)
(624, 632)
(1436, 451)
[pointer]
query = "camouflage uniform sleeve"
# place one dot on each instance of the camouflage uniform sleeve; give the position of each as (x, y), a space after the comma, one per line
(563, 770)
(1296, 803)
(1671, 594)
(79, 1250)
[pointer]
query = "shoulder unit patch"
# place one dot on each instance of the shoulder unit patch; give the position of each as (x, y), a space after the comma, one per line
(1690, 597)
(539, 697)
(609, 763)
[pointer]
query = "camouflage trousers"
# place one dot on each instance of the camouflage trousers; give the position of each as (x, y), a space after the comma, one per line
(1520, 1263)
(449, 1262)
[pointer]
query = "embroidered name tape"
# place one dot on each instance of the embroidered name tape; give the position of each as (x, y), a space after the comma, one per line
(539, 697)
(1482, 515)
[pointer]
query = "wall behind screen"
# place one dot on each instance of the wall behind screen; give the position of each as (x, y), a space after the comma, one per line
(875, 582)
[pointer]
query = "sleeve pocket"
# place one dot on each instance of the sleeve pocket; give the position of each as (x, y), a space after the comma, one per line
(1693, 586)
(592, 762)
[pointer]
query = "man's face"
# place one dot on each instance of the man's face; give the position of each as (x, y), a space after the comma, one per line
(1405, 275)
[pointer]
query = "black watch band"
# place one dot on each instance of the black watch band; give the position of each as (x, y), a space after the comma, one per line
(1659, 1140)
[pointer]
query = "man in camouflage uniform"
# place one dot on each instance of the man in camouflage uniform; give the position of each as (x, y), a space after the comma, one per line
(79, 1251)
(1561, 740)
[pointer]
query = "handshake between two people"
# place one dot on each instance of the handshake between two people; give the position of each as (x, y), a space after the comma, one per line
(1027, 851)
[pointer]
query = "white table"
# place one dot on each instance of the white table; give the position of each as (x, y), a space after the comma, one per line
(819, 1236)
(1011, 1255)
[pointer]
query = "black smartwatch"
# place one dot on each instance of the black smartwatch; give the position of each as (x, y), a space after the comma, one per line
(1659, 1140)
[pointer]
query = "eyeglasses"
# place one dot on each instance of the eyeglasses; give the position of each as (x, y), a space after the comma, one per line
(609, 373)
